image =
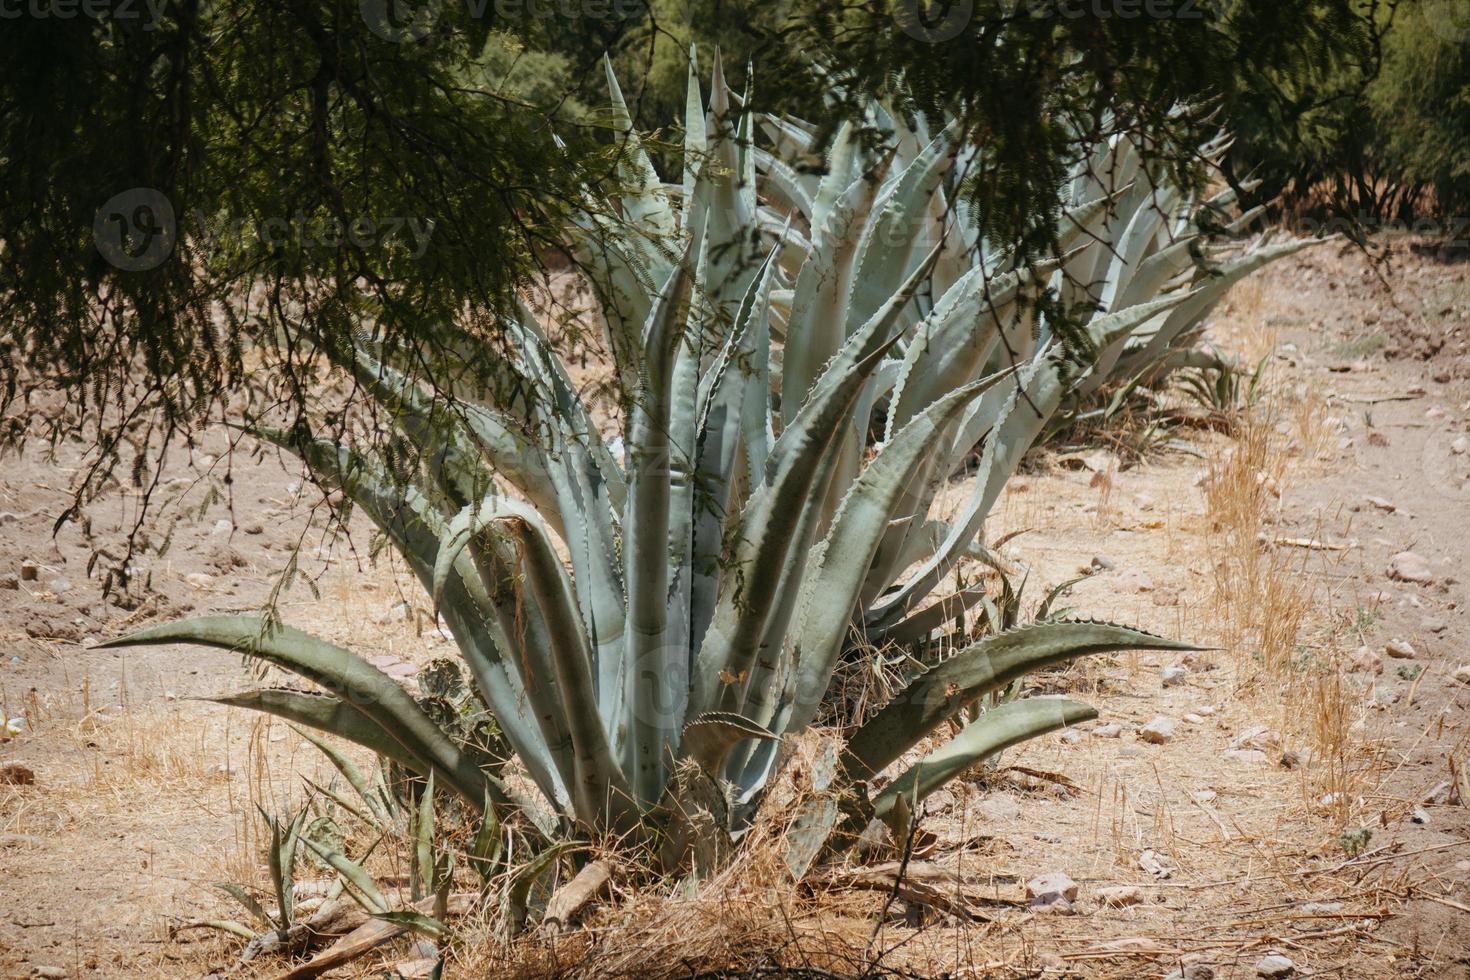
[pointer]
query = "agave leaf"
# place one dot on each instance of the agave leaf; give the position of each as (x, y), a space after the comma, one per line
(423, 843)
(328, 714)
(653, 668)
(533, 876)
(783, 185)
(886, 255)
(920, 625)
(935, 695)
(374, 693)
(695, 134)
(769, 521)
(709, 738)
(995, 730)
(599, 788)
(249, 903)
(414, 921)
(819, 305)
(1208, 293)
(488, 629)
(647, 207)
(360, 884)
(344, 765)
(809, 834)
(840, 562)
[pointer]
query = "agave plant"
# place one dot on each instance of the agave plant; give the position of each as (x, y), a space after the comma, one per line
(1127, 237)
(647, 630)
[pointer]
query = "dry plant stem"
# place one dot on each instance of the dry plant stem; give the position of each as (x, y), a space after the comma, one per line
(369, 936)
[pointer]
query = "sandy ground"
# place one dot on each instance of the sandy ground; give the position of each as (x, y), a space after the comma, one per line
(143, 797)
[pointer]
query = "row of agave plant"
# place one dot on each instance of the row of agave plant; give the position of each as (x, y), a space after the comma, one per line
(803, 362)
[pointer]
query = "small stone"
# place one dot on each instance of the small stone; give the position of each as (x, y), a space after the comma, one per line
(1135, 580)
(1367, 660)
(1434, 412)
(1194, 719)
(1055, 883)
(999, 807)
(1293, 759)
(939, 801)
(1246, 757)
(1460, 446)
(1071, 736)
(1120, 896)
(1381, 504)
(1050, 962)
(10, 581)
(29, 571)
(199, 580)
(1166, 597)
(1462, 674)
(1432, 625)
(1194, 971)
(1409, 567)
(1173, 676)
(1103, 563)
(1158, 731)
(223, 528)
(1275, 965)
(1440, 794)
(1256, 737)
(1111, 730)
(1055, 905)
(1419, 815)
(1204, 709)
(415, 969)
(59, 585)
(1399, 649)
(400, 612)
(49, 972)
(1204, 796)
(16, 774)
(1156, 864)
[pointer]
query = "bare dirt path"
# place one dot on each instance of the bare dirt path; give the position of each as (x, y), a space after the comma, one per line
(143, 797)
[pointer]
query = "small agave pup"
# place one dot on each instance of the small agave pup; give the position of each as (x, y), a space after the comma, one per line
(647, 631)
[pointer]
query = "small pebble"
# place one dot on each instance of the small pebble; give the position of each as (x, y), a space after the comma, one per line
(1275, 965)
(1158, 731)
(1399, 649)
(1406, 566)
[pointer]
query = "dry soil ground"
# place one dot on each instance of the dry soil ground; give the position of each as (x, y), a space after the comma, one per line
(1298, 807)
